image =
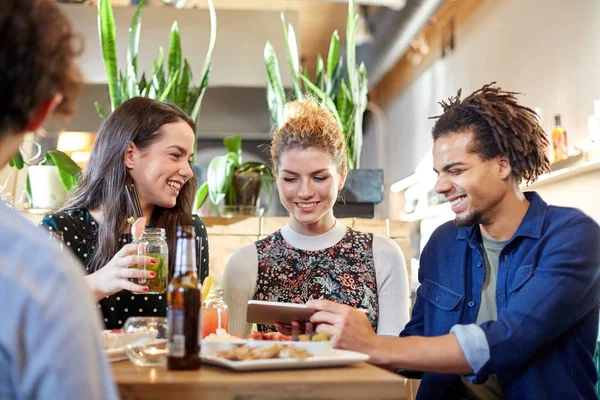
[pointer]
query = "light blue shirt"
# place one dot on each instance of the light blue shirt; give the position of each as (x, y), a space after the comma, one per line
(50, 345)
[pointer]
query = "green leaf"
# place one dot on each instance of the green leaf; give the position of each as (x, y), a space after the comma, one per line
(195, 114)
(133, 46)
(174, 64)
(319, 73)
(333, 82)
(201, 195)
(102, 113)
(143, 85)
(28, 189)
(68, 171)
(344, 104)
(108, 44)
(219, 173)
(278, 93)
(17, 160)
(183, 86)
(233, 144)
(325, 100)
(333, 57)
(291, 49)
(170, 86)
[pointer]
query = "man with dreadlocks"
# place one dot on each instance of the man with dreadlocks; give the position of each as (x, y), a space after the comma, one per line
(509, 295)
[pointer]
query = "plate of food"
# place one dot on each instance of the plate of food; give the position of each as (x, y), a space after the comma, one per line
(272, 351)
(260, 356)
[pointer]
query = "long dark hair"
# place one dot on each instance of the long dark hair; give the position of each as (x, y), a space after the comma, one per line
(138, 120)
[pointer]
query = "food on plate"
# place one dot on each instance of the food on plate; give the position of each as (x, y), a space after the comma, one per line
(274, 336)
(243, 353)
(316, 337)
(220, 336)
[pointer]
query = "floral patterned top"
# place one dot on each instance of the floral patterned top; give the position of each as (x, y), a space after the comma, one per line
(80, 232)
(344, 273)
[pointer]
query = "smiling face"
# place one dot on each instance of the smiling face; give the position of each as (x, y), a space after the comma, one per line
(474, 187)
(163, 168)
(308, 183)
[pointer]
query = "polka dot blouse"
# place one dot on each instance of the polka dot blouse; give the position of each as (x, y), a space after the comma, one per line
(80, 232)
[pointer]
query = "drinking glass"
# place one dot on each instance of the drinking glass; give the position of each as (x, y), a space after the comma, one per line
(150, 349)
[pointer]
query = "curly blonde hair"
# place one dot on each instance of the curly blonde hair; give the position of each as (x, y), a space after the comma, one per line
(309, 126)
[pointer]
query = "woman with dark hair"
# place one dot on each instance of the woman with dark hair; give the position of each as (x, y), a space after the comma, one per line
(149, 144)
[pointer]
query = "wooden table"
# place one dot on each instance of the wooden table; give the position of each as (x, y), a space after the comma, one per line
(360, 381)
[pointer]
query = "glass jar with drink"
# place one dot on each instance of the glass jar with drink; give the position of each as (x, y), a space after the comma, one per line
(153, 244)
(214, 313)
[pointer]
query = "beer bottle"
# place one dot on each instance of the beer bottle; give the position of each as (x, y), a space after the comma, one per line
(183, 305)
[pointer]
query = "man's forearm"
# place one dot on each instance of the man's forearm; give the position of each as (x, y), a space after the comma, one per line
(417, 353)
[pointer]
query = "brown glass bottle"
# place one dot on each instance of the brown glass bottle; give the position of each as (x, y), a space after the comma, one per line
(183, 305)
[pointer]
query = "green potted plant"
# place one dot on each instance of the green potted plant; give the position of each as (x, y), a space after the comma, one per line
(174, 85)
(49, 182)
(234, 187)
(345, 97)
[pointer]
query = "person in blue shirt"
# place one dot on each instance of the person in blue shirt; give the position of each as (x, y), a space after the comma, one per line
(50, 345)
(508, 301)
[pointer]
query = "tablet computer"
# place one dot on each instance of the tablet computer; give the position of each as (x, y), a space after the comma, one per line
(269, 312)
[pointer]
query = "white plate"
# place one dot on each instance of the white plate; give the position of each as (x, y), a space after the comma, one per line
(337, 358)
(317, 349)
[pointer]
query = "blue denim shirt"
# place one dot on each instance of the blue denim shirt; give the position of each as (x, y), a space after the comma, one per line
(548, 295)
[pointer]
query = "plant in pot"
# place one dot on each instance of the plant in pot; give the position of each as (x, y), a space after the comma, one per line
(234, 187)
(49, 182)
(174, 85)
(345, 97)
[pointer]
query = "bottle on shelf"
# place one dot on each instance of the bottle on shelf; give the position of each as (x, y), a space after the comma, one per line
(594, 123)
(183, 305)
(559, 140)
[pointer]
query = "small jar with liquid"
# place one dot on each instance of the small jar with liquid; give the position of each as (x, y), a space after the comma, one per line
(153, 243)
(214, 313)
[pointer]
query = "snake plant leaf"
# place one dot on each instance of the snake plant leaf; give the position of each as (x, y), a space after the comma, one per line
(195, 113)
(278, 93)
(183, 86)
(101, 111)
(68, 172)
(174, 63)
(319, 78)
(108, 44)
(133, 46)
(163, 96)
(333, 56)
(361, 103)
(291, 49)
(326, 101)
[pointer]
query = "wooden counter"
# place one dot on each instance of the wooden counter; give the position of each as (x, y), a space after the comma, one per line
(360, 381)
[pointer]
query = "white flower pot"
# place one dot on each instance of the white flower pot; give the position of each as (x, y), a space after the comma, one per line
(47, 191)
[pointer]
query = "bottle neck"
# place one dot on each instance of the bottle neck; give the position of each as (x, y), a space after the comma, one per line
(185, 257)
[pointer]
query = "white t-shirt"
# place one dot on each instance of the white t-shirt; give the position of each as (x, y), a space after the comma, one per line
(239, 278)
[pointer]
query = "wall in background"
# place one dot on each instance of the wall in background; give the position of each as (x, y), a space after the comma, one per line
(546, 49)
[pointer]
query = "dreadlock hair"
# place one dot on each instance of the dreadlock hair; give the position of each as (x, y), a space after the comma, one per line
(500, 126)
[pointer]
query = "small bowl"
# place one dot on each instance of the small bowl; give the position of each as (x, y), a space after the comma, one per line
(149, 354)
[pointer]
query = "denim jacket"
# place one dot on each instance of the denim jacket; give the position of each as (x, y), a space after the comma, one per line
(548, 294)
